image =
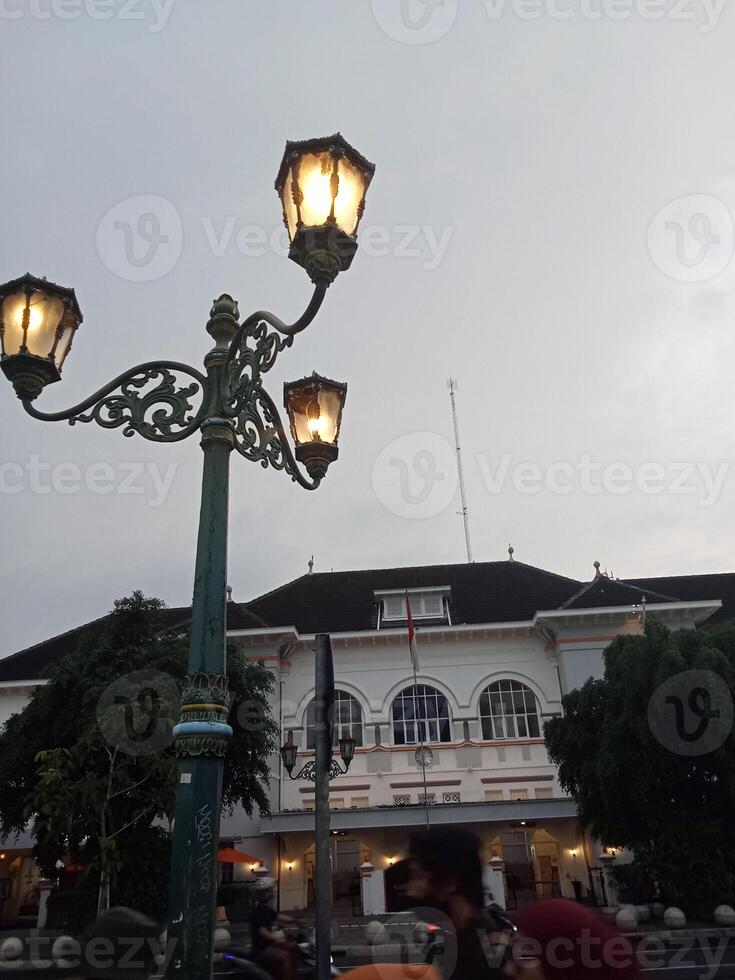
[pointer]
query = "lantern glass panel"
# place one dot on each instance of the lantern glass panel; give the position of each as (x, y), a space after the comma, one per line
(44, 316)
(288, 754)
(347, 749)
(315, 181)
(350, 194)
(67, 335)
(315, 414)
(289, 205)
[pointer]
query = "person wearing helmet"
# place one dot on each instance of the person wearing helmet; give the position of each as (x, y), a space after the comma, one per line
(271, 950)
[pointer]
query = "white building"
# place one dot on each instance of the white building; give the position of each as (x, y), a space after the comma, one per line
(499, 644)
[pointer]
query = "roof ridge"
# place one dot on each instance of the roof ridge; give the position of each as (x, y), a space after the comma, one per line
(246, 607)
(649, 592)
(280, 588)
(646, 593)
(406, 568)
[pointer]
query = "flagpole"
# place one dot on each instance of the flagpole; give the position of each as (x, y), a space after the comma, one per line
(417, 719)
(423, 755)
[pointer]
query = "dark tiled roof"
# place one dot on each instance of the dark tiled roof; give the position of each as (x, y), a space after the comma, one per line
(35, 661)
(334, 602)
(605, 591)
(486, 592)
(696, 588)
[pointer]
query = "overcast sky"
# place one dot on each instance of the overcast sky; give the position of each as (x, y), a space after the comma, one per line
(550, 223)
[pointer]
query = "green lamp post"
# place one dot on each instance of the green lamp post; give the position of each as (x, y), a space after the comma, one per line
(322, 185)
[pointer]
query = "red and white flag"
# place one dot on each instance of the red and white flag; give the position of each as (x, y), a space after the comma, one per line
(412, 637)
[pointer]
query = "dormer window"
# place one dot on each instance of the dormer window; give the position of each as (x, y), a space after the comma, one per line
(426, 604)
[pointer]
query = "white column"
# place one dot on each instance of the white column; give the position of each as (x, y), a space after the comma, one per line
(493, 881)
(607, 861)
(45, 887)
(373, 890)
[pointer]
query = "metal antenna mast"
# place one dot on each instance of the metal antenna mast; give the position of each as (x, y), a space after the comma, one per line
(452, 385)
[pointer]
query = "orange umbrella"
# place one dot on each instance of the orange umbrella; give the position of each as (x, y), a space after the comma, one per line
(228, 855)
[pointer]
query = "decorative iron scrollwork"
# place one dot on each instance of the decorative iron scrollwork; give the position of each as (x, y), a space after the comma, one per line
(259, 432)
(309, 771)
(162, 413)
(150, 401)
(249, 363)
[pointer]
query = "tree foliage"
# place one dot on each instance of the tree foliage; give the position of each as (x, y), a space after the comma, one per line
(634, 789)
(67, 765)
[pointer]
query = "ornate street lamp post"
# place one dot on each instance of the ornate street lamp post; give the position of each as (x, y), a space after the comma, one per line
(322, 184)
(323, 768)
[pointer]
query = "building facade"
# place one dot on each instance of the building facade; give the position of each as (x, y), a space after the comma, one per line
(499, 644)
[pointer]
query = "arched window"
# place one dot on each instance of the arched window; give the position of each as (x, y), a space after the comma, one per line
(421, 714)
(508, 709)
(346, 720)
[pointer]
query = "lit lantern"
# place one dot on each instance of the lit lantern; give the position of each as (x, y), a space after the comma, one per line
(322, 184)
(38, 320)
(314, 407)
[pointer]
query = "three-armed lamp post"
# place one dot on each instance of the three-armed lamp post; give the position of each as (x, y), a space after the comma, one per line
(322, 185)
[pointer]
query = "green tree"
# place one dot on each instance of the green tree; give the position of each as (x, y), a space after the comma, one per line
(90, 758)
(629, 751)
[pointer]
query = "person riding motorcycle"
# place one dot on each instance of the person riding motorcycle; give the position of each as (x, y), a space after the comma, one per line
(271, 949)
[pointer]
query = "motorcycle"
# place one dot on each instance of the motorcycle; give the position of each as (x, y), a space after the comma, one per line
(237, 962)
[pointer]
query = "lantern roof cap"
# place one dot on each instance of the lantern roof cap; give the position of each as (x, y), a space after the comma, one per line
(43, 285)
(297, 147)
(314, 378)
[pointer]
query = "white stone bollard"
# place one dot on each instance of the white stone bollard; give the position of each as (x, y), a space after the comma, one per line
(11, 952)
(222, 938)
(725, 915)
(627, 918)
(674, 918)
(375, 933)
